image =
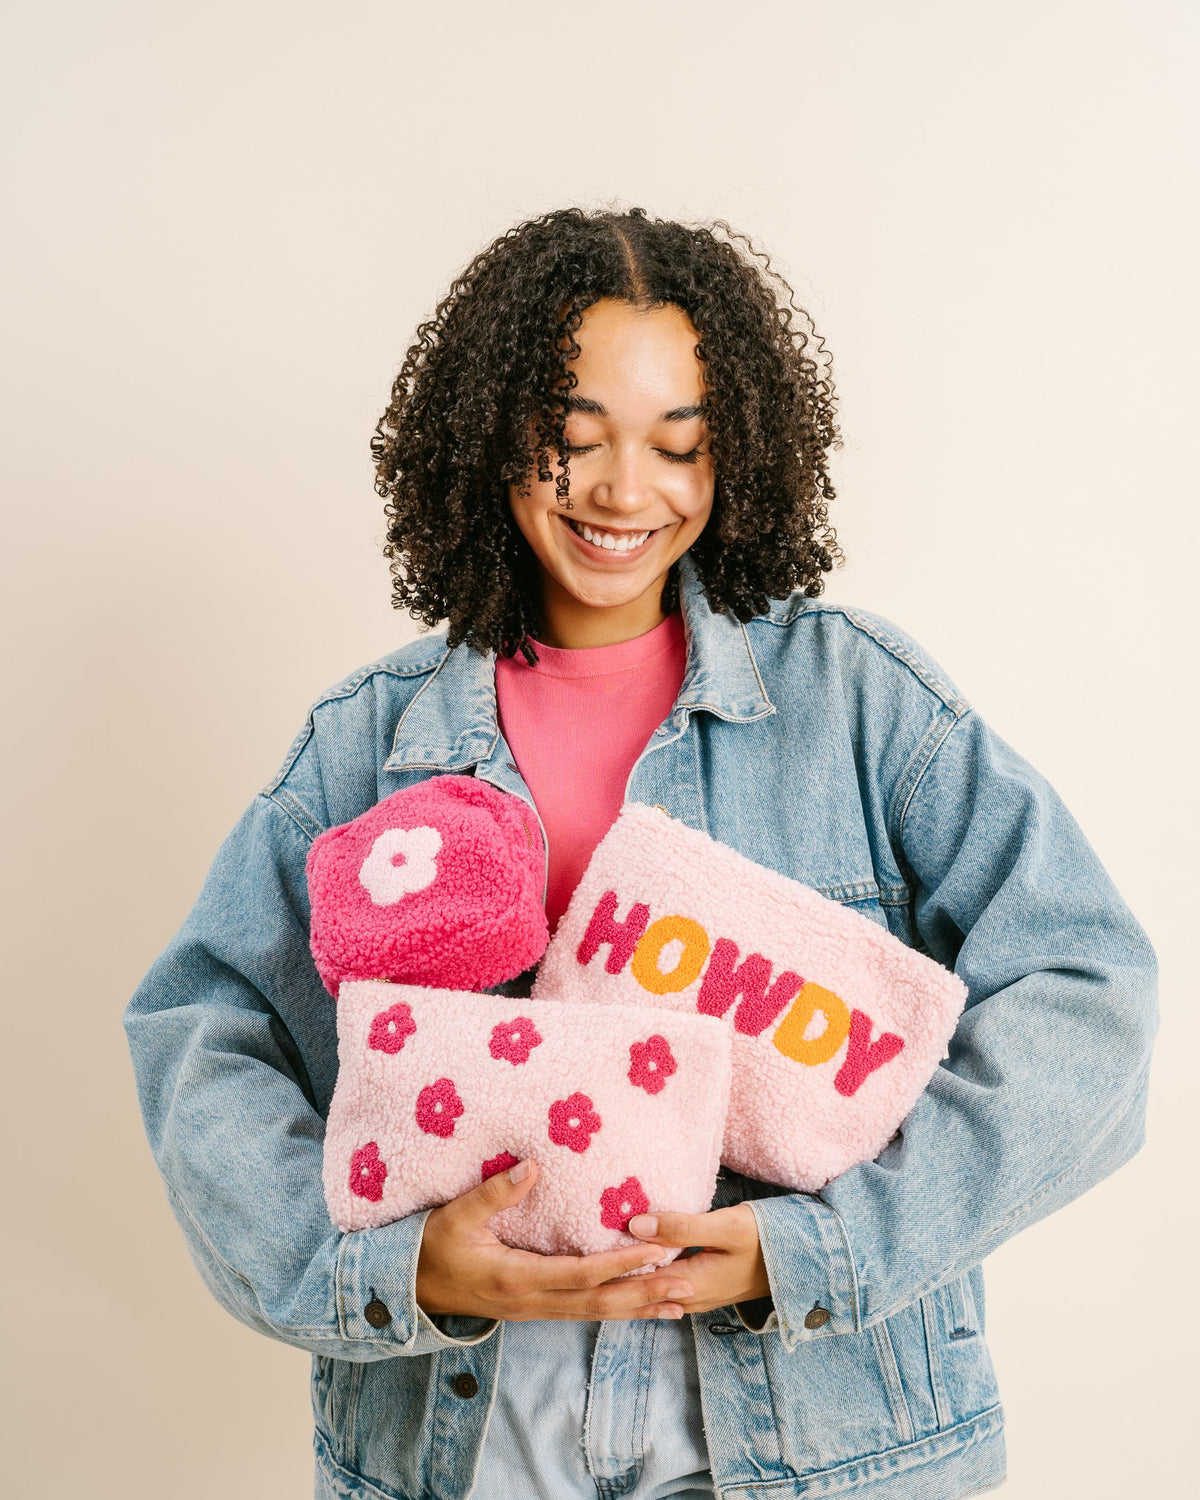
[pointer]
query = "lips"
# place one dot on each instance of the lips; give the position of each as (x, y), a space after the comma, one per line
(610, 555)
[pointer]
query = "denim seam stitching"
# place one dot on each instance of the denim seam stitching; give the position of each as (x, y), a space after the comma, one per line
(344, 690)
(293, 815)
(902, 654)
(923, 757)
(895, 649)
(885, 1352)
(762, 687)
(945, 1442)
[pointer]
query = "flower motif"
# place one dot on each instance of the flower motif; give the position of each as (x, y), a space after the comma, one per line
(402, 860)
(514, 1040)
(651, 1063)
(438, 1106)
(391, 1028)
(496, 1164)
(573, 1122)
(368, 1172)
(619, 1204)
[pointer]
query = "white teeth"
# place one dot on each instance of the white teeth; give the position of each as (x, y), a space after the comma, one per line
(608, 541)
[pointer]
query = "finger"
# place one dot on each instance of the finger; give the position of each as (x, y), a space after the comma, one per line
(721, 1229)
(571, 1273)
(500, 1191)
(637, 1297)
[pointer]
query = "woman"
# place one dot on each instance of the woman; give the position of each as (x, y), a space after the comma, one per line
(605, 464)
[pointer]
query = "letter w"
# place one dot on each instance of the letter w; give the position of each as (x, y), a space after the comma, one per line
(604, 928)
(725, 979)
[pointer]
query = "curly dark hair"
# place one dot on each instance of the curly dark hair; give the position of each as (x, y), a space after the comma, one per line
(488, 370)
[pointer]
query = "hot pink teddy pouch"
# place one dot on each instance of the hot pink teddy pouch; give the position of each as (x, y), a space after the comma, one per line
(623, 1108)
(836, 1025)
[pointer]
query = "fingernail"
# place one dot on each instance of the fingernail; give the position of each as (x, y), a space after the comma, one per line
(519, 1173)
(643, 1224)
(670, 1312)
(678, 1292)
(651, 1260)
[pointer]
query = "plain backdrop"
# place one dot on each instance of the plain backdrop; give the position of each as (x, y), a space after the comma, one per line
(225, 221)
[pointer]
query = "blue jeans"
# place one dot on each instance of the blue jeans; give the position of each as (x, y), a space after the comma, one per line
(596, 1410)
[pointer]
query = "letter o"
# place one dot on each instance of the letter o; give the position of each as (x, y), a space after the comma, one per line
(812, 1051)
(652, 942)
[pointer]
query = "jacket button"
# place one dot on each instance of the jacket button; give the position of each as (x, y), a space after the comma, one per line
(720, 1328)
(465, 1385)
(376, 1313)
(817, 1317)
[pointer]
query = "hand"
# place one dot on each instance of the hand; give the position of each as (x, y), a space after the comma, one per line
(463, 1268)
(730, 1266)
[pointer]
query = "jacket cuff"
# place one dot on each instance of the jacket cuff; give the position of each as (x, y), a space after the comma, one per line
(809, 1267)
(376, 1289)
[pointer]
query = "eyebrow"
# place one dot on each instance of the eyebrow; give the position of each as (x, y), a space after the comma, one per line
(592, 408)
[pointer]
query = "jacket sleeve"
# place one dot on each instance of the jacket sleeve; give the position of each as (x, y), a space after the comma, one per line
(231, 1117)
(1043, 1093)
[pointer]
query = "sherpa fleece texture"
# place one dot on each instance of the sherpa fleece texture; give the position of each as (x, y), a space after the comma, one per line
(837, 1025)
(440, 883)
(622, 1107)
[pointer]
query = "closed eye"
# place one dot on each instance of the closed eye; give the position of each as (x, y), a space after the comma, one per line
(667, 453)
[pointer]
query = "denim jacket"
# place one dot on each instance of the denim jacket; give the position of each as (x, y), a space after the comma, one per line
(819, 740)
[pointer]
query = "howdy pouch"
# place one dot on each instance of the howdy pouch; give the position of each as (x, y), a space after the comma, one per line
(837, 1025)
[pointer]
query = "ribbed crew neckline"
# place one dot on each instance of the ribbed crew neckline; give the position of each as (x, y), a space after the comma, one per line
(597, 661)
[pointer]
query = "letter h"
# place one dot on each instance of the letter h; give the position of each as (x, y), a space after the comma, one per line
(622, 936)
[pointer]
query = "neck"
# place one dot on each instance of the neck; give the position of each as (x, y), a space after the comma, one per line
(567, 623)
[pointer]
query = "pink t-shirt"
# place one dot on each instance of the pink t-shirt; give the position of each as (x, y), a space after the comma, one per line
(575, 724)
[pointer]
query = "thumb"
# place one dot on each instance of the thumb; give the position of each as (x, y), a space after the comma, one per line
(499, 1191)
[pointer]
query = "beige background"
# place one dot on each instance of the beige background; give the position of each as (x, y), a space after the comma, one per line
(226, 220)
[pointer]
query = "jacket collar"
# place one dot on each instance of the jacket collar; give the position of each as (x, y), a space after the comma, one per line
(451, 724)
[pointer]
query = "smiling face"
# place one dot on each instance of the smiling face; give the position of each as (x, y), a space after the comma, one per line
(641, 477)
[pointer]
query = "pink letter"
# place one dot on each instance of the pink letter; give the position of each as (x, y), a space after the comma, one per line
(863, 1055)
(604, 928)
(725, 979)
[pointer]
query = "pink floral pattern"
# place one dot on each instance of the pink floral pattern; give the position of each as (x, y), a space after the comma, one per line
(651, 1064)
(368, 1172)
(619, 1204)
(438, 1106)
(391, 1028)
(573, 1122)
(514, 1040)
(495, 1164)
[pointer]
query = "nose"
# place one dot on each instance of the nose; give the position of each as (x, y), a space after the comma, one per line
(621, 485)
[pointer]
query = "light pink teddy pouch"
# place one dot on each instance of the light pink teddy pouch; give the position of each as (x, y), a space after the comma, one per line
(623, 1108)
(837, 1026)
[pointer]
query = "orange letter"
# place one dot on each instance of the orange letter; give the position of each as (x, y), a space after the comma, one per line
(652, 942)
(812, 1051)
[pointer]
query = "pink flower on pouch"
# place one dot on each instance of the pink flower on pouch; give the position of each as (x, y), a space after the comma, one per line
(495, 1164)
(438, 1106)
(514, 1040)
(573, 1122)
(619, 1204)
(368, 1172)
(651, 1063)
(391, 1028)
